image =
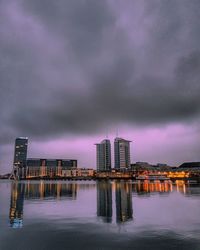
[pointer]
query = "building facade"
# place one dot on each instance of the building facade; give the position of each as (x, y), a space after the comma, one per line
(103, 154)
(20, 157)
(121, 153)
(49, 168)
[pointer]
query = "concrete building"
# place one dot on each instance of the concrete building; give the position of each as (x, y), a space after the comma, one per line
(85, 172)
(103, 154)
(78, 172)
(49, 168)
(122, 153)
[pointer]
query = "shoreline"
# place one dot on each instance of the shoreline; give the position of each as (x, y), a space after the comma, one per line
(173, 180)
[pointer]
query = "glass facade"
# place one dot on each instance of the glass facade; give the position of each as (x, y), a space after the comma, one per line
(122, 153)
(103, 153)
(20, 157)
(49, 168)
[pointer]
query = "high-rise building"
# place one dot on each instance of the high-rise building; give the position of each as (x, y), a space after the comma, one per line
(20, 157)
(122, 153)
(103, 150)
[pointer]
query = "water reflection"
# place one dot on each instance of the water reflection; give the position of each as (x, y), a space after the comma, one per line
(34, 191)
(99, 215)
(114, 199)
(50, 190)
(146, 187)
(187, 190)
(104, 200)
(123, 194)
(16, 205)
(123, 200)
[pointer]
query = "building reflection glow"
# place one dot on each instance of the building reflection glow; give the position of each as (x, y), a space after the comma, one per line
(50, 190)
(123, 195)
(147, 187)
(180, 186)
(123, 200)
(114, 198)
(16, 205)
(104, 200)
(35, 191)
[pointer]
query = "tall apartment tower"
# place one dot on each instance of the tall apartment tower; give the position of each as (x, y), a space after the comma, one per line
(122, 153)
(103, 150)
(20, 157)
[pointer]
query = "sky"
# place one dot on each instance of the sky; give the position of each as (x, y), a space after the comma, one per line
(74, 71)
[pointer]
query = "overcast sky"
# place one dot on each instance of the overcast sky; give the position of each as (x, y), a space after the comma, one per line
(72, 71)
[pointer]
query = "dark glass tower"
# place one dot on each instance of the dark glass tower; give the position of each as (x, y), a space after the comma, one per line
(20, 157)
(103, 150)
(122, 153)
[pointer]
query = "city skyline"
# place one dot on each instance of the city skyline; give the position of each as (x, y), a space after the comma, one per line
(72, 70)
(100, 107)
(60, 152)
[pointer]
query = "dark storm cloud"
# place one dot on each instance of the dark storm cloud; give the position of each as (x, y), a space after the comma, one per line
(80, 66)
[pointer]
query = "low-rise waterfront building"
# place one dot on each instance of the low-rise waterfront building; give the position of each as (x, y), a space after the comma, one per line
(115, 174)
(85, 172)
(78, 172)
(49, 168)
(190, 166)
(66, 173)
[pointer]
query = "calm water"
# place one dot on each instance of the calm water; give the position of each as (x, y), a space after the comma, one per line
(99, 215)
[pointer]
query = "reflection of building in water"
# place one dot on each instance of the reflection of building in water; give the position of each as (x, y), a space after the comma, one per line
(16, 205)
(50, 190)
(193, 190)
(187, 189)
(180, 186)
(147, 187)
(123, 192)
(104, 200)
(21, 191)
